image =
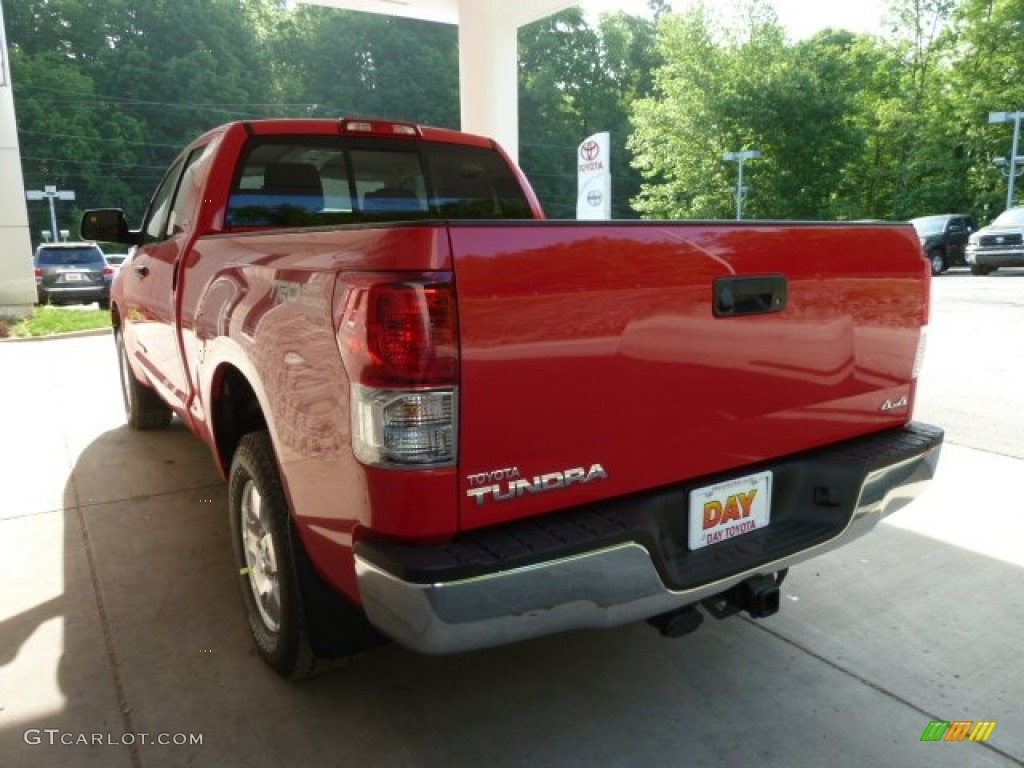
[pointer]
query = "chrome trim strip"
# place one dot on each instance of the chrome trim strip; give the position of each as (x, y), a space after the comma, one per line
(604, 588)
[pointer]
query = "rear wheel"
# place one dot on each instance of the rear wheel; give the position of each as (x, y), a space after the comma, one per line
(938, 261)
(104, 303)
(259, 534)
(301, 627)
(143, 408)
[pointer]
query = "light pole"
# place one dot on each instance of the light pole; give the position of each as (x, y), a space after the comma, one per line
(1004, 166)
(1005, 117)
(739, 157)
(51, 193)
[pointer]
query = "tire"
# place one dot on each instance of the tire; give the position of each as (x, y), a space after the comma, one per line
(143, 408)
(979, 270)
(938, 261)
(301, 627)
(104, 303)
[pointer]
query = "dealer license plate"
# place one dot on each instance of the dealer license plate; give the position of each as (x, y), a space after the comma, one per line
(726, 510)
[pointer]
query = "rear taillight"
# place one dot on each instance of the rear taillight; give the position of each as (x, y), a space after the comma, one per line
(926, 310)
(108, 270)
(410, 335)
(396, 428)
(39, 273)
(399, 343)
(922, 342)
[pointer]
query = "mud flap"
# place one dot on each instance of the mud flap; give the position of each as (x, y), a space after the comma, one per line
(337, 627)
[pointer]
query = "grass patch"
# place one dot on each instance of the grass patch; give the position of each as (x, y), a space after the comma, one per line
(47, 321)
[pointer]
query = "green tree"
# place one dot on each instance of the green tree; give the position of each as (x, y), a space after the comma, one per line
(678, 139)
(147, 78)
(360, 64)
(860, 74)
(742, 87)
(575, 80)
(986, 75)
(109, 92)
(555, 58)
(71, 140)
(926, 171)
(850, 126)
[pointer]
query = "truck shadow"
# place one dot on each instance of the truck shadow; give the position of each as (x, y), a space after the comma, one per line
(155, 642)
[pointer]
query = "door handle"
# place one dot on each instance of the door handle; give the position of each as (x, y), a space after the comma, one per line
(737, 296)
(141, 270)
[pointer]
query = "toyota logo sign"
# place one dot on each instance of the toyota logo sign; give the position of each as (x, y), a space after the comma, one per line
(590, 150)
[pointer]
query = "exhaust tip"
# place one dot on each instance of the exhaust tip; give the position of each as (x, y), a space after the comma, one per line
(677, 623)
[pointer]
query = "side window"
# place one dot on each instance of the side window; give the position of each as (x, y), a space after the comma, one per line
(955, 226)
(186, 200)
(154, 226)
(173, 204)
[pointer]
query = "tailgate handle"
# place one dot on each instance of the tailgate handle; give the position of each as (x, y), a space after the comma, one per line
(736, 296)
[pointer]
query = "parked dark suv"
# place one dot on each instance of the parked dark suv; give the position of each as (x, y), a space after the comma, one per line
(943, 239)
(72, 273)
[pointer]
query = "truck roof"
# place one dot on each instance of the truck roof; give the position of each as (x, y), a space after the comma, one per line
(348, 126)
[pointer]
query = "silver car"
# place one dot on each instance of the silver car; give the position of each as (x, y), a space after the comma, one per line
(1000, 244)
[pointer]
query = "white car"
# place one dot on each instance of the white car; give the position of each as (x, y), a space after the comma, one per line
(116, 259)
(1000, 244)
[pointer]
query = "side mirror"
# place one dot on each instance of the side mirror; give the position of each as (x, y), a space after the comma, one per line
(108, 225)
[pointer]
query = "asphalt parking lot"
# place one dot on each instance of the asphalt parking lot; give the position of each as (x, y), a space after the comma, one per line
(119, 615)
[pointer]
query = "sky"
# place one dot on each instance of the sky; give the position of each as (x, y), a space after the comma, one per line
(802, 18)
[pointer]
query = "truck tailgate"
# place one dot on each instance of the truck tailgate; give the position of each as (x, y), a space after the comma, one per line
(603, 359)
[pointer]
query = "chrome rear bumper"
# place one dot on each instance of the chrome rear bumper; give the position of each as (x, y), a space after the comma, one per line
(605, 587)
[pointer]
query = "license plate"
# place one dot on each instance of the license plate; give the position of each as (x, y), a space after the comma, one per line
(726, 510)
(73, 277)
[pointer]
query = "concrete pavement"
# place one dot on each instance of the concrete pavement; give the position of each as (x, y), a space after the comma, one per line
(119, 616)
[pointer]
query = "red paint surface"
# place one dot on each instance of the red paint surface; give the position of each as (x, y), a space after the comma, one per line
(598, 344)
(579, 345)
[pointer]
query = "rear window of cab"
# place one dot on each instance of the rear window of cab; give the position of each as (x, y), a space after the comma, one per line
(68, 257)
(308, 181)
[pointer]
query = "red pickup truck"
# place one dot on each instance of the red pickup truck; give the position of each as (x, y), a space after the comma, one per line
(446, 421)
